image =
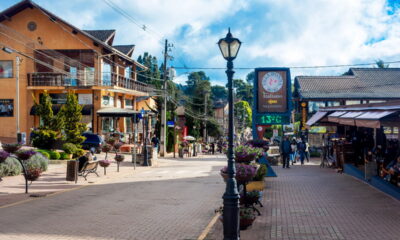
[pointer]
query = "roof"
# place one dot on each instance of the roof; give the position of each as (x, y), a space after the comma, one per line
(363, 83)
(125, 49)
(102, 35)
(94, 35)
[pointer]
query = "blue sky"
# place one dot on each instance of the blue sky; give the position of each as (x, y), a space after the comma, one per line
(275, 33)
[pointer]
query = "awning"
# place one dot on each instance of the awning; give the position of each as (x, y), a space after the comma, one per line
(117, 112)
(334, 117)
(372, 119)
(349, 118)
(86, 109)
(315, 118)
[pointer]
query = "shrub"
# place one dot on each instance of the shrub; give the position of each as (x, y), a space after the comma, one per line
(69, 148)
(79, 152)
(262, 170)
(54, 155)
(38, 161)
(45, 154)
(44, 139)
(11, 167)
(64, 156)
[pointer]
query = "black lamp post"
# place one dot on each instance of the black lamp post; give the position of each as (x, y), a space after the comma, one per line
(229, 47)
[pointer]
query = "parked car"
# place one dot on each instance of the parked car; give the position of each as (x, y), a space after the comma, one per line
(93, 141)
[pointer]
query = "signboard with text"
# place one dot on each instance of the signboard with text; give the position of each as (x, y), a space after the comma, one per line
(272, 98)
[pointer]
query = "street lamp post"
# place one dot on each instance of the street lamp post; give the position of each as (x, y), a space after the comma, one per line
(229, 47)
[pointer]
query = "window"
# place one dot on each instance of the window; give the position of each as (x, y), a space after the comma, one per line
(128, 103)
(127, 73)
(6, 107)
(352, 102)
(106, 74)
(314, 106)
(6, 69)
(128, 124)
(107, 124)
(108, 101)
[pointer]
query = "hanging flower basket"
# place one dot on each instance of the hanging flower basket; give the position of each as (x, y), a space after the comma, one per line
(246, 223)
(104, 163)
(3, 156)
(117, 145)
(119, 158)
(247, 217)
(245, 173)
(25, 155)
(33, 174)
(11, 148)
(250, 198)
(111, 141)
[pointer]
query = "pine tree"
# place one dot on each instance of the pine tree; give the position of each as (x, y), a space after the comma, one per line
(72, 114)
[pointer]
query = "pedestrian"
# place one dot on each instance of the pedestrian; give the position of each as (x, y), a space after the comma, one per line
(293, 153)
(156, 142)
(301, 149)
(285, 150)
(212, 148)
(307, 151)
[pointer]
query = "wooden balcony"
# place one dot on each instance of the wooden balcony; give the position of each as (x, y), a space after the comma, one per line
(51, 79)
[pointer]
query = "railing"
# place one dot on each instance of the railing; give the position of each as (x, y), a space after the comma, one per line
(82, 79)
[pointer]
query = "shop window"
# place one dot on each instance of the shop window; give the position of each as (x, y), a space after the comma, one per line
(332, 104)
(128, 103)
(6, 69)
(314, 106)
(128, 124)
(352, 102)
(108, 101)
(106, 74)
(107, 124)
(6, 107)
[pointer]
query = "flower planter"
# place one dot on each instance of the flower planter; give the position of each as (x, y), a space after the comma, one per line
(119, 158)
(255, 186)
(33, 174)
(245, 223)
(244, 158)
(11, 148)
(248, 200)
(3, 156)
(104, 164)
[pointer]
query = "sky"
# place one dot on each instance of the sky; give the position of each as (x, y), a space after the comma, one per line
(274, 33)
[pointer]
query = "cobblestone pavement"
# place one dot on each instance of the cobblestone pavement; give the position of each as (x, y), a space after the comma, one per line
(307, 202)
(175, 200)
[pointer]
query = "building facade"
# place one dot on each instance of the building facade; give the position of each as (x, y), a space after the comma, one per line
(58, 57)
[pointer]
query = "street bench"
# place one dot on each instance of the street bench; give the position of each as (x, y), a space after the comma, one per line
(89, 167)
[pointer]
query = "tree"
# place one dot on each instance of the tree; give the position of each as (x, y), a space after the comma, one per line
(72, 114)
(44, 109)
(243, 112)
(219, 93)
(244, 91)
(381, 64)
(250, 77)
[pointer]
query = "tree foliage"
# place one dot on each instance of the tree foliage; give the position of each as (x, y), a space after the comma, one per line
(44, 110)
(72, 113)
(243, 113)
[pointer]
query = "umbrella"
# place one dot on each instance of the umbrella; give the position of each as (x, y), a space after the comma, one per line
(189, 138)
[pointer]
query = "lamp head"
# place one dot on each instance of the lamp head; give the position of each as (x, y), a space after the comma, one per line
(229, 46)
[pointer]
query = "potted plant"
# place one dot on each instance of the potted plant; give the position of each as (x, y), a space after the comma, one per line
(247, 217)
(245, 173)
(3, 156)
(32, 174)
(70, 149)
(119, 158)
(25, 155)
(106, 148)
(104, 164)
(11, 148)
(111, 141)
(250, 198)
(259, 144)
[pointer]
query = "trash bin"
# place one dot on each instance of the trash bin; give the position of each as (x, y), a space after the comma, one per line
(72, 170)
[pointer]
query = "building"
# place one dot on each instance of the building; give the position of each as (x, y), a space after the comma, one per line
(57, 57)
(221, 111)
(358, 86)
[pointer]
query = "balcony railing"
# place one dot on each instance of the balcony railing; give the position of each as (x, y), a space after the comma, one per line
(84, 80)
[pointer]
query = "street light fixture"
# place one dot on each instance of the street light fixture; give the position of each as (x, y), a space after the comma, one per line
(229, 47)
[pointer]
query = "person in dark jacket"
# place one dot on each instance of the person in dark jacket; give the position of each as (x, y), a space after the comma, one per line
(285, 150)
(301, 148)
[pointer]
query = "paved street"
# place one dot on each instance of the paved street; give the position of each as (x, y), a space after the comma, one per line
(306, 202)
(175, 200)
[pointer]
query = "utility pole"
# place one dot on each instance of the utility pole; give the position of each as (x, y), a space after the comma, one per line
(205, 118)
(164, 109)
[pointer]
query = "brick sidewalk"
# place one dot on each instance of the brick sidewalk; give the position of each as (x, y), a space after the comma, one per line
(307, 202)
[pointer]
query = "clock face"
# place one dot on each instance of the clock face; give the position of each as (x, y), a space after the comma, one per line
(272, 82)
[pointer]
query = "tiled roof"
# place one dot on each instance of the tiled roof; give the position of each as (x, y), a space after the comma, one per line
(125, 49)
(102, 35)
(364, 83)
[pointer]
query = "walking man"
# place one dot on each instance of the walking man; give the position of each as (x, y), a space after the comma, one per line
(285, 150)
(301, 148)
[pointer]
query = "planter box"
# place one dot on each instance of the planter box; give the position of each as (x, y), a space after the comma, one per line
(255, 186)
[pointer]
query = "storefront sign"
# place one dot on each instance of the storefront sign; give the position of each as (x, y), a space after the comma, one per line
(272, 92)
(6, 107)
(85, 98)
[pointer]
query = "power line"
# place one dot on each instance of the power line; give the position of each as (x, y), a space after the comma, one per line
(296, 67)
